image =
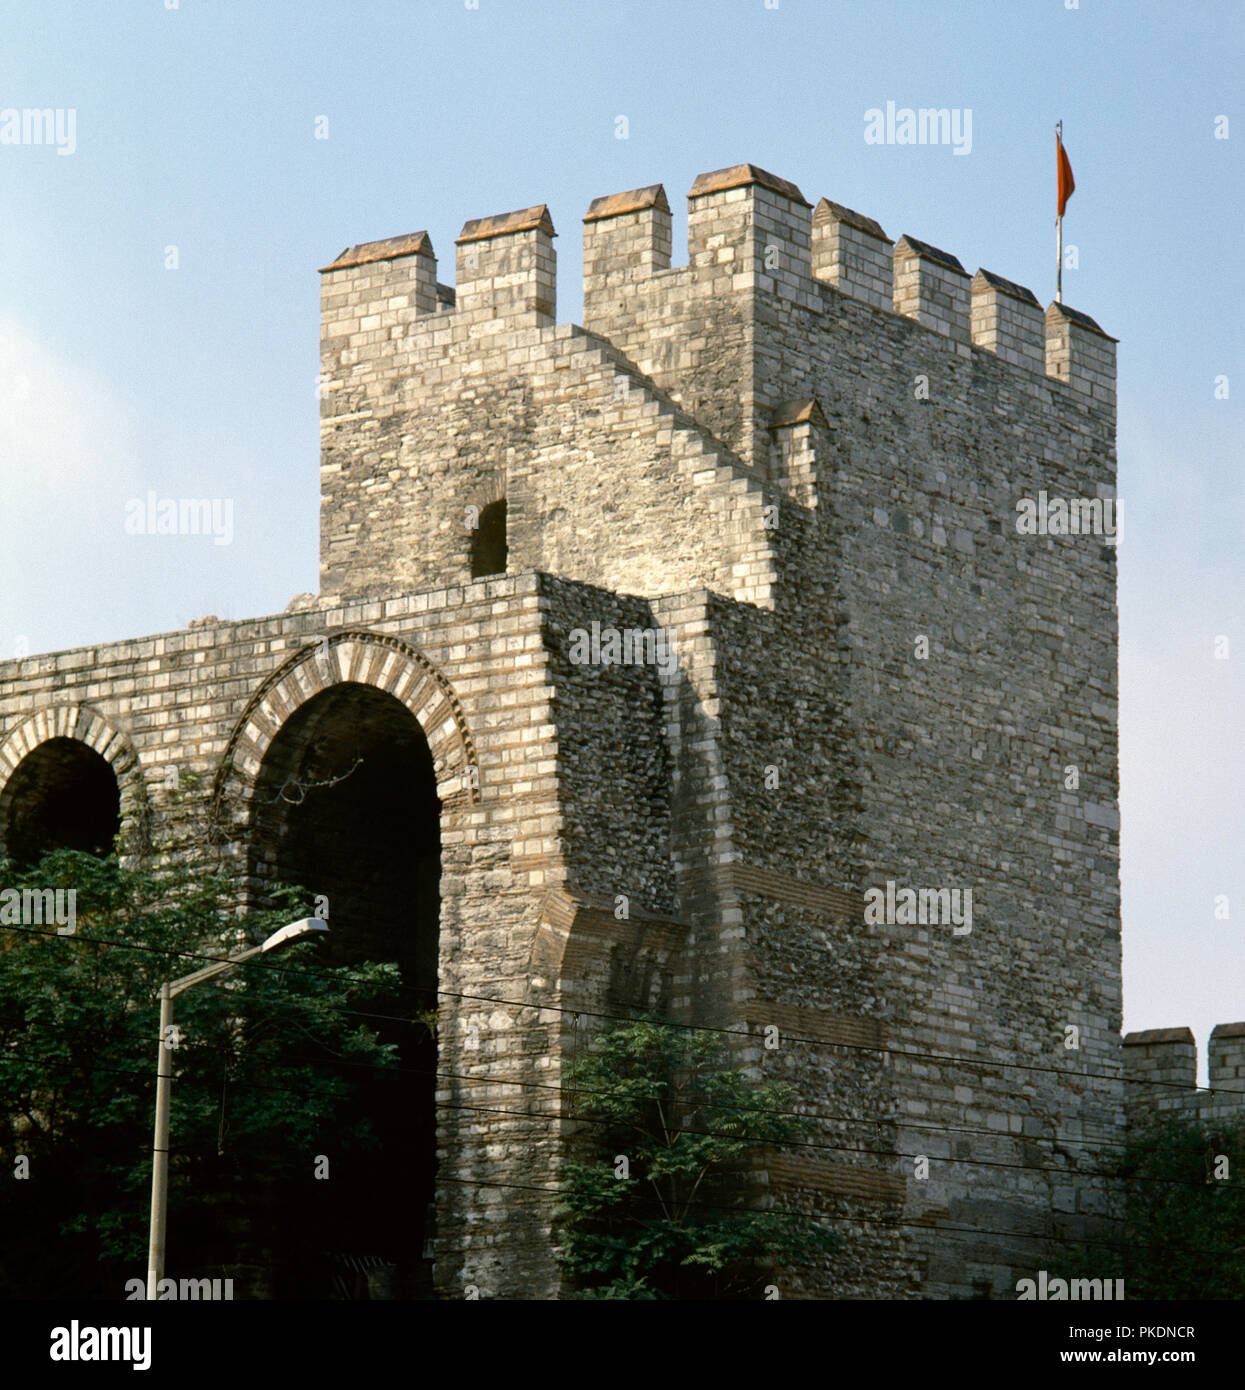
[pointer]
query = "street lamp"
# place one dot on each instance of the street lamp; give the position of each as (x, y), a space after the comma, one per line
(164, 1079)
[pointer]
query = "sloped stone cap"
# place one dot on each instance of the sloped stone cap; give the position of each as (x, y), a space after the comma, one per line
(507, 224)
(740, 176)
(910, 246)
(1061, 311)
(413, 244)
(637, 200)
(828, 211)
(1159, 1035)
(1228, 1030)
(801, 412)
(996, 282)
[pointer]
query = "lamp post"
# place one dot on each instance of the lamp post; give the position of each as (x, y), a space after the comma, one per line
(164, 1080)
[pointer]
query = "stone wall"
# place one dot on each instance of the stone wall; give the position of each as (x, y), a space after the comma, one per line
(475, 667)
(800, 455)
(943, 770)
(1160, 1070)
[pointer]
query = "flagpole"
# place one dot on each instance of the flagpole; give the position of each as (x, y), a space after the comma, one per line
(1058, 234)
(1058, 260)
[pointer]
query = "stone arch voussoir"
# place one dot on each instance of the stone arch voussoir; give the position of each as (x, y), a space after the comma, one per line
(366, 658)
(87, 725)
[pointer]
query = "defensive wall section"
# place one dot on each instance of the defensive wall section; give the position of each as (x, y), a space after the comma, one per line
(799, 458)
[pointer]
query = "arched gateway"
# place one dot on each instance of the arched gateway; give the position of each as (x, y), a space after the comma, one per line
(69, 778)
(336, 780)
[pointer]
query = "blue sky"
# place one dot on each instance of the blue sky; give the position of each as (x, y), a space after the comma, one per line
(195, 129)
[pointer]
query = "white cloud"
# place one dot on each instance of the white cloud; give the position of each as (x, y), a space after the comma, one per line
(72, 455)
(65, 443)
(59, 427)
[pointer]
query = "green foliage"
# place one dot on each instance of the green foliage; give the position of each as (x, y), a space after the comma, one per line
(263, 1069)
(1183, 1230)
(675, 1223)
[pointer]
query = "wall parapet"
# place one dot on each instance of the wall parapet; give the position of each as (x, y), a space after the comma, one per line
(931, 286)
(1007, 320)
(749, 232)
(1081, 354)
(507, 271)
(626, 238)
(853, 253)
(1160, 1069)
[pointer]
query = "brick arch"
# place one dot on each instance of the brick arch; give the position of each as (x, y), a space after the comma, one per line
(87, 725)
(491, 488)
(366, 658)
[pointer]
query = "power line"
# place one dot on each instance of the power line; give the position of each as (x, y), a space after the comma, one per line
(854, 1218)
(395, 1073)
(545, 1115)
(922, 1225)
(172, 953)
(818, 1116)
(577, 1013)
(822, 1117)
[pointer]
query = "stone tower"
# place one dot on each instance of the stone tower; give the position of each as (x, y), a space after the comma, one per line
(747, 653)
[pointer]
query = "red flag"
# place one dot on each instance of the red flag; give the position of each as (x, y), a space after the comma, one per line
(1067, 184)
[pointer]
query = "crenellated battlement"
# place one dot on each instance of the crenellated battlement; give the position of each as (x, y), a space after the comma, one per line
(753, 238)
(382, 290)
(1007, 320)
(751, 231)
(507, 274)
(784, 316)
(626, 237)
(1160, 1070)
(853, 253)
(371, 289)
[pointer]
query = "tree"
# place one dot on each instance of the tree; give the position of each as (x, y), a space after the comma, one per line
(655, 1207)
(1182, 1232)
(264, 1068)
